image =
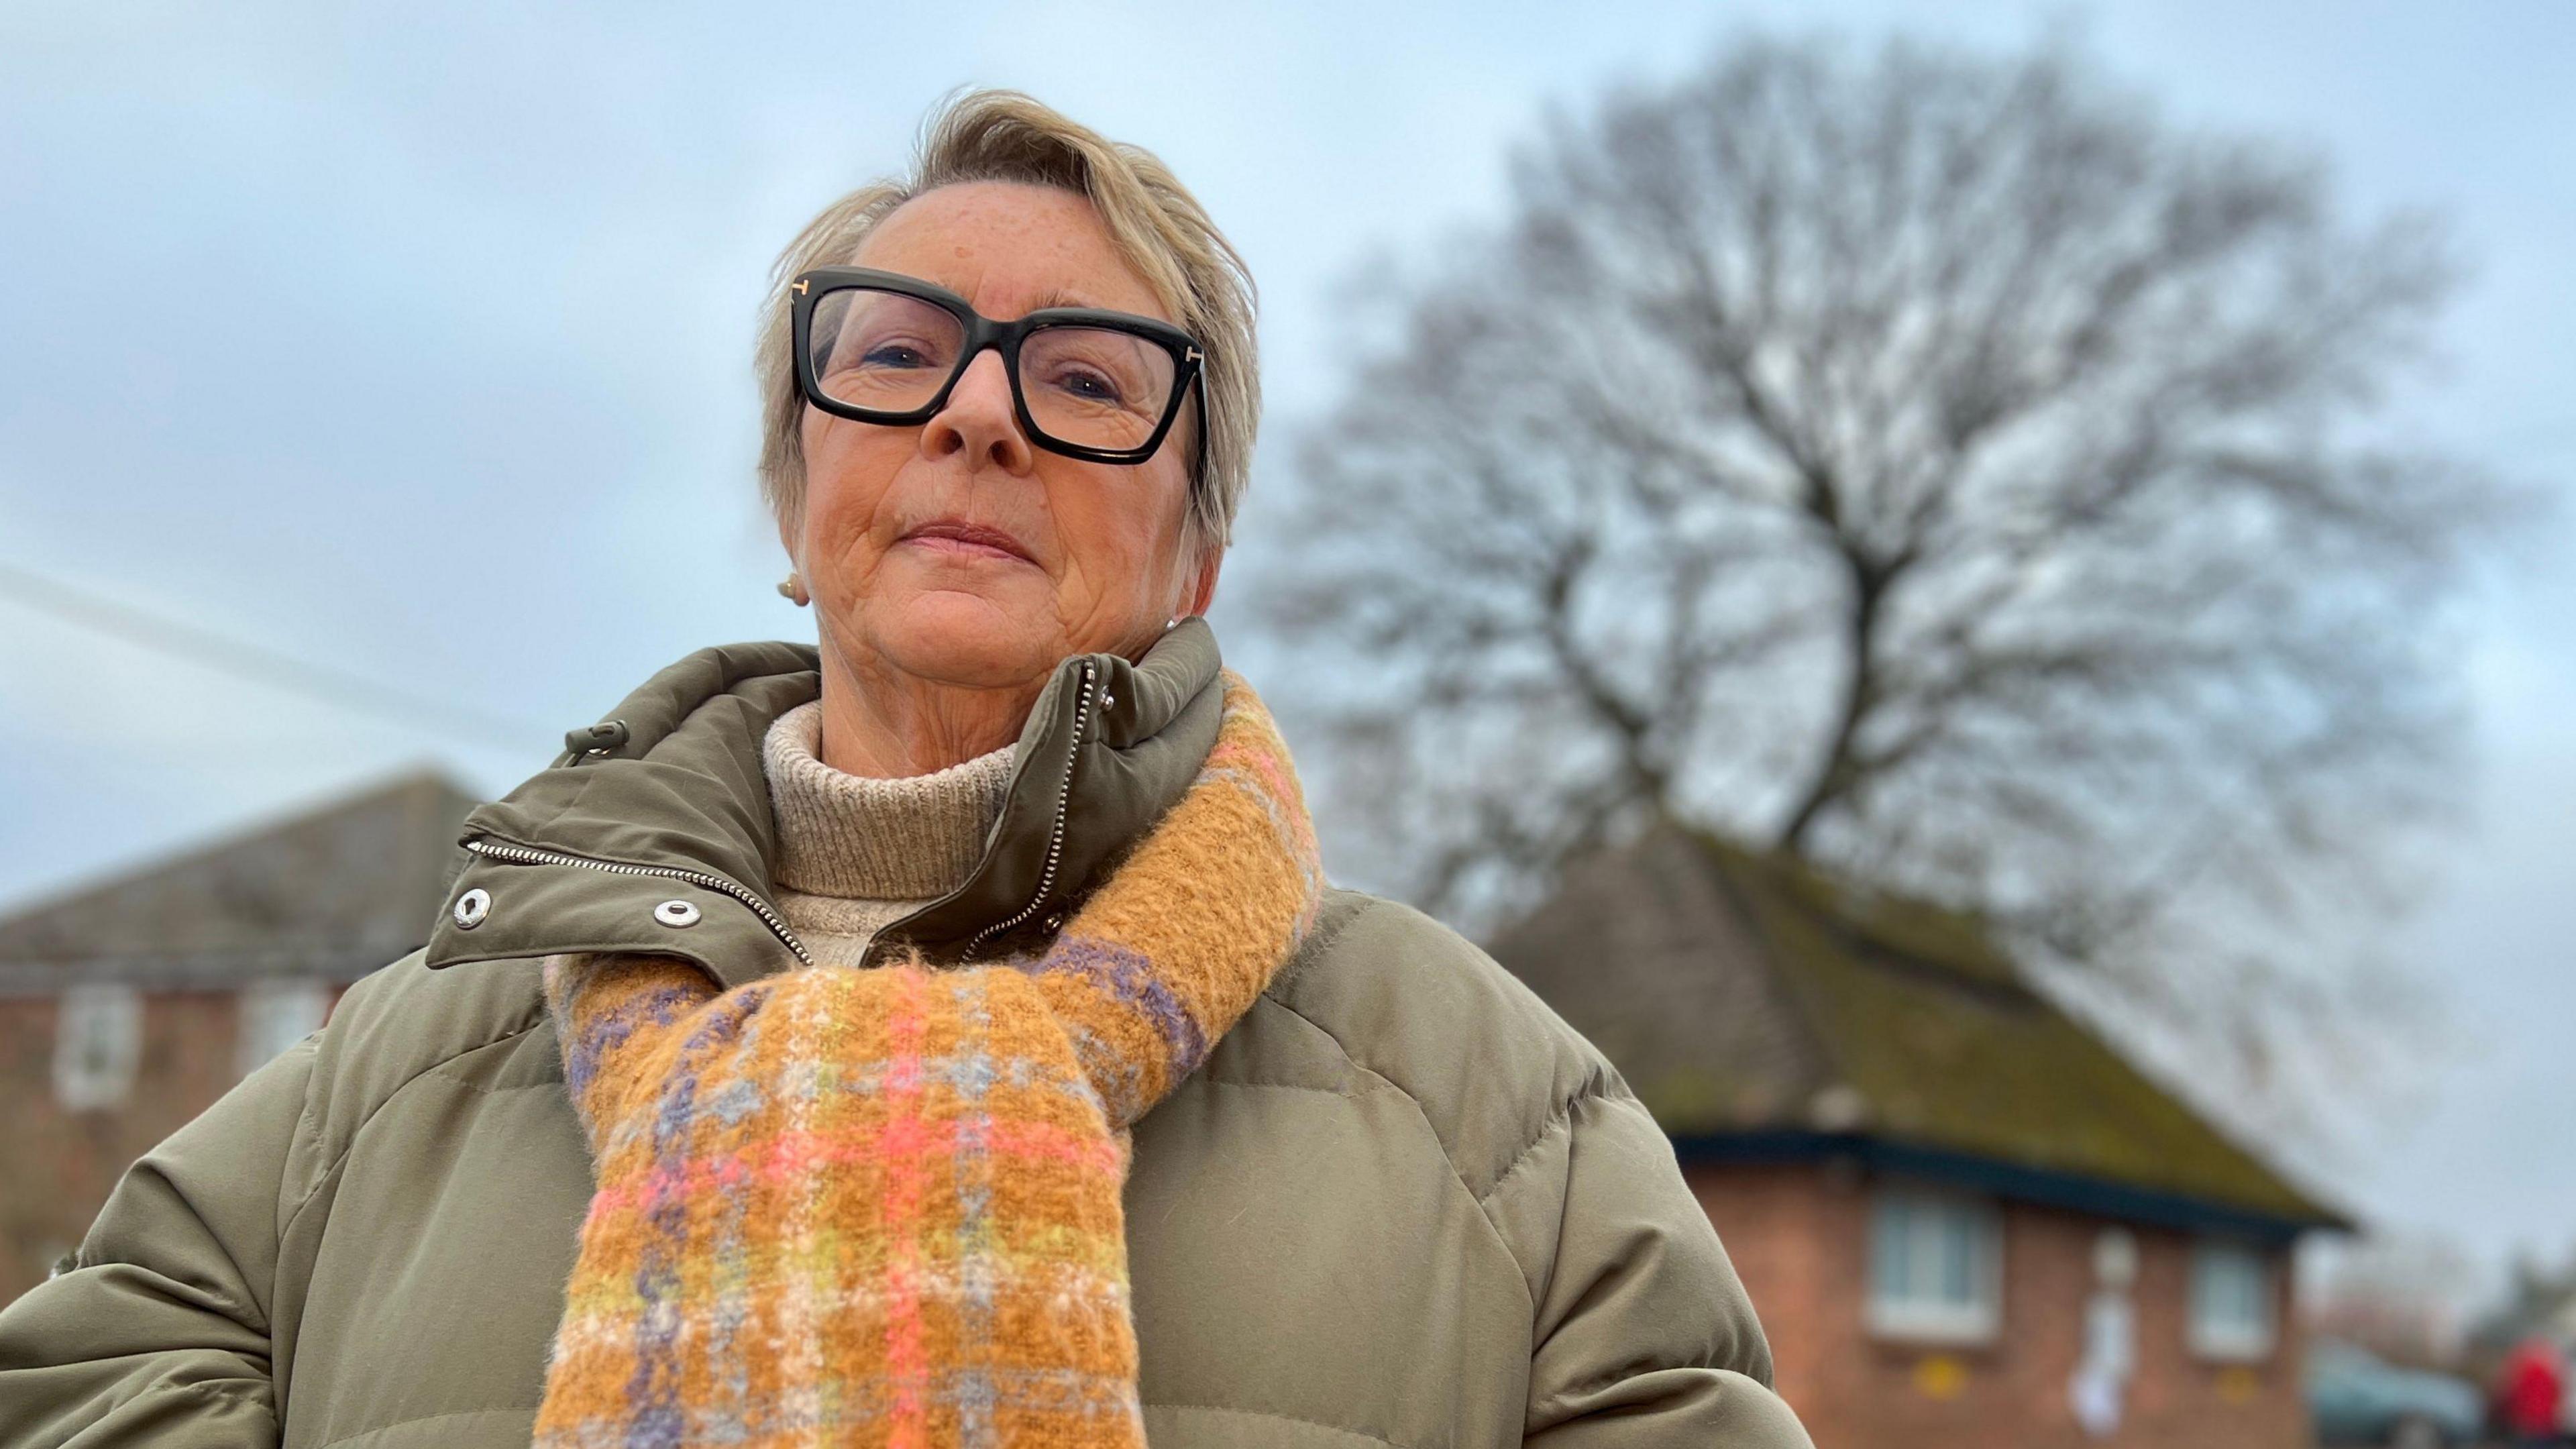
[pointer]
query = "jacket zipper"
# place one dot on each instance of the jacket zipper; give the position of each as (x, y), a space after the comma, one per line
(531, 855)
(1055, 837)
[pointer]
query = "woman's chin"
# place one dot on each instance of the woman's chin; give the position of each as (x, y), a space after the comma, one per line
(968, 638)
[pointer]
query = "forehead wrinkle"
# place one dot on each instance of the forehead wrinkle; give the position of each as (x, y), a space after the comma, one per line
(968, 236)
(1062, 297)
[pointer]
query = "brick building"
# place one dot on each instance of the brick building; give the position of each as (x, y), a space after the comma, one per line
(128, 1006)
(1966, 1221)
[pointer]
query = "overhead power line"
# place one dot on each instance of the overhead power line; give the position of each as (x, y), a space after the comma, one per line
(257, 663)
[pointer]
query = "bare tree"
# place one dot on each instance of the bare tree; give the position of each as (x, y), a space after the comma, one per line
(1935, 465)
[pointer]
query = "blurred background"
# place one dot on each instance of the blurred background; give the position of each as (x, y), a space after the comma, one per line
(2006, 567)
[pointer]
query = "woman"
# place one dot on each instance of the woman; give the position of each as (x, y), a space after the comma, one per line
(944, 1036)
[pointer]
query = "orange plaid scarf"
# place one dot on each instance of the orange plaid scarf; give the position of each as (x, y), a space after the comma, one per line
(881, 1207)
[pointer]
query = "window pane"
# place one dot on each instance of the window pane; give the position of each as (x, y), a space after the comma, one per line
(2231, 1301)
(1958, 1280)
(1932, 1261)
(98, 1037)
(1889, 1228)
(275, 1015)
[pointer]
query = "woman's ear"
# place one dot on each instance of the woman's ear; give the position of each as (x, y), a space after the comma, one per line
(793, 587)
(1203, 587)
(791, 536)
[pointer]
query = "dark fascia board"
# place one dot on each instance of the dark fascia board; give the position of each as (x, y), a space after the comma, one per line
(2075, 1192)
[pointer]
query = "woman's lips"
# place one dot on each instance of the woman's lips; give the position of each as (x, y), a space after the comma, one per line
(959, 547)
(966, 540)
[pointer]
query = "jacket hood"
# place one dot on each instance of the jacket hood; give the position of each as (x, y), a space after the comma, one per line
(652, 832)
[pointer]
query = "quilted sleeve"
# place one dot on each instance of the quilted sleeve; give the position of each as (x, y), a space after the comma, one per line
(1642, 1336)
(156, 1334)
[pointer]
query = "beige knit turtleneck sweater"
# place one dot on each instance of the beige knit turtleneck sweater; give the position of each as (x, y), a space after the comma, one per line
(856, 853)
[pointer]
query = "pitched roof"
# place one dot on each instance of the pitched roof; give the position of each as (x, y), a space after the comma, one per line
(1747, 993)
(333, 892)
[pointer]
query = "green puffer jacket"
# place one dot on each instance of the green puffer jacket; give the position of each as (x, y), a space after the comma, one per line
(1401, 1203)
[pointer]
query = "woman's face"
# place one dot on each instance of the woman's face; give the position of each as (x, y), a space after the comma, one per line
(1091, 561)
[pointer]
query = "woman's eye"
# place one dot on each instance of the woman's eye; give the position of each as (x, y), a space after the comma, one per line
(1088, 385)
(893, 354)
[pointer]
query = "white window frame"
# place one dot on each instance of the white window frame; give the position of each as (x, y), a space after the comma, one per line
(1924, 1225)
(270, 1016)
(2231, 1339)
(98, 1043)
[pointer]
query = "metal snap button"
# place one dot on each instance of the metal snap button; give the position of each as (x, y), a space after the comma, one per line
(1054, 919)
(676, 913)
(472, 907)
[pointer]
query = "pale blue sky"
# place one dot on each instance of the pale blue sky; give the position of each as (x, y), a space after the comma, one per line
(414, 339)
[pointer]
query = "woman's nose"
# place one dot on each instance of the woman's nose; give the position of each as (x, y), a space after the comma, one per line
(979, 420)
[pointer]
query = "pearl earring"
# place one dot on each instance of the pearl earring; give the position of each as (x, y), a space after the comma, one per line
(793, 587)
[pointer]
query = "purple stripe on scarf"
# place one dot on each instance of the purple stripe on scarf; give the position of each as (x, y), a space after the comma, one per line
(1095, 1401)
(600, 1033)
(1128, 976)
(653, 1392)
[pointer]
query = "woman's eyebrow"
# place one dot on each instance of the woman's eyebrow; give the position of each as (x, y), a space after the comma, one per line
(1058, 297)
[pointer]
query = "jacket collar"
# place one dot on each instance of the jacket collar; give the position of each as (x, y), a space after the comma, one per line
(653, 833)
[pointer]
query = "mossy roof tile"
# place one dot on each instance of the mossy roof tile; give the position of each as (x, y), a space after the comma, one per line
(1908, 1017)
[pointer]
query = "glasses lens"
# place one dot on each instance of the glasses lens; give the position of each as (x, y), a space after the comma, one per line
(882, 350)
(1096, 387)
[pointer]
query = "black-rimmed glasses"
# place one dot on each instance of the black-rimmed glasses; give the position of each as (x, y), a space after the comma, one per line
(881, 347)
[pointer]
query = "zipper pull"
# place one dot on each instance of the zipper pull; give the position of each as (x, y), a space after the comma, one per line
(593, 742)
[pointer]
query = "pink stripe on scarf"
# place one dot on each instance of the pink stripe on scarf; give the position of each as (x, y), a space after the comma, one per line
(907, 1361)
(783, 1158)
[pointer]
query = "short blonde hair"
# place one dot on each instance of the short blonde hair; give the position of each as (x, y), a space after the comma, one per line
(1157, 226)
